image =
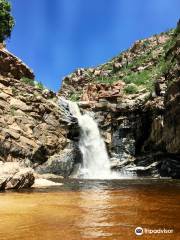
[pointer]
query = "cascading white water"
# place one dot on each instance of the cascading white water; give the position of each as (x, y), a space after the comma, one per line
(95, 158)
(96, 163)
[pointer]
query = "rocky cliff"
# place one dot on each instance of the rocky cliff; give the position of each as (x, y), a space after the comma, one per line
(135, 98)
(33, 128)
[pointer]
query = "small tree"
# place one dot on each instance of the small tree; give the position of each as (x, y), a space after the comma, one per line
(6, 20)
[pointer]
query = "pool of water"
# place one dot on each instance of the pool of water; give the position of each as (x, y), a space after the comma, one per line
(92, 209)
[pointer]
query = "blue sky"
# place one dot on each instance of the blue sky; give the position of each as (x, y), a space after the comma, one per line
(54, 37)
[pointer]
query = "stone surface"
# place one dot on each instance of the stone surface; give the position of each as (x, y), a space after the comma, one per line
(142, 128)
(34, 125)
(172, 118)
(15, 176)
(11, 66)
(61, 164)
(43, 183)
(31, 125)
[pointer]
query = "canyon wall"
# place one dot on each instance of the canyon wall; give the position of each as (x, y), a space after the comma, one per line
(33, 127)
(135, 99)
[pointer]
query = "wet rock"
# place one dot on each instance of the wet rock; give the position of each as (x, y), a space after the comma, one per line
(155, 139)
(61, 164)
(123, 141)
(170, 166)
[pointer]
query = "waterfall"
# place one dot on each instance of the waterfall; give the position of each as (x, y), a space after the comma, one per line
(96, 164)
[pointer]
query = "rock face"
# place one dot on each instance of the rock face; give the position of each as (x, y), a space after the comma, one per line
(139, 65)
(60, 164)
(14, 176)
(135, 98)
(31, 122)
(172, 103)
(172, 118)
(11, 66)
(33, 126)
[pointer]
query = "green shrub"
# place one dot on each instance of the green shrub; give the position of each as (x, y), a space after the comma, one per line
(163, 67)
(146, 43)
(130, 89)
(28, 81)
(141, 78)
(6, 20)
(40, 85)
(13, 110)
(32, 82)
(139, 61)
(13, 90)
(169, 44)
(74, 97)
(107, 80)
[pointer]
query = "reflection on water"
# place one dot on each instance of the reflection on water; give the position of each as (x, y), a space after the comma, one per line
(91, 210)
(96, 207)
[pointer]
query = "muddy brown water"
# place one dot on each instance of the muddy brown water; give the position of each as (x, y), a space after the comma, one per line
(84, 209)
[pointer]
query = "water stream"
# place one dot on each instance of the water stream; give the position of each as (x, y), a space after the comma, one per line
(96, 164)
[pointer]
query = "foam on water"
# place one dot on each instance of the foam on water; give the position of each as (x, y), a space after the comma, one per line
(96, 163)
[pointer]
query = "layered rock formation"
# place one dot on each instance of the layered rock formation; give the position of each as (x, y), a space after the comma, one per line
(11, 66)
(14, 176)
(32, 125)
(135, 99)
(132, 71)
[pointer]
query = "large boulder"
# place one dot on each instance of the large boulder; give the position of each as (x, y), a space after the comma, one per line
(15, 176)
(60, 164)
